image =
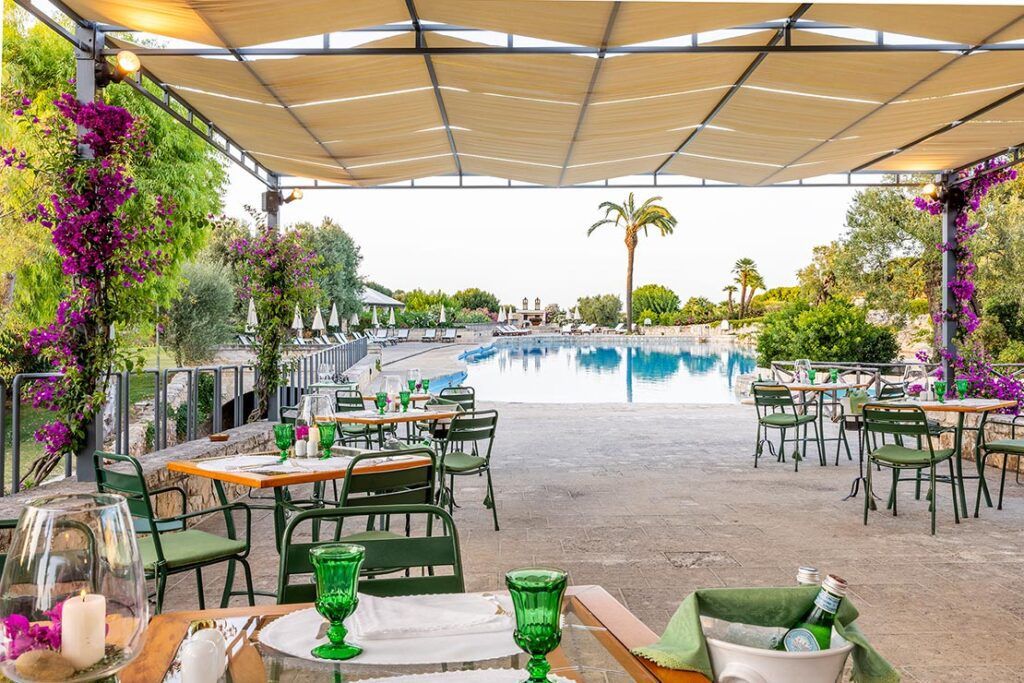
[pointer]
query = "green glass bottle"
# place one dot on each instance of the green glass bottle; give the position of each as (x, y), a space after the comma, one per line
(814, 630)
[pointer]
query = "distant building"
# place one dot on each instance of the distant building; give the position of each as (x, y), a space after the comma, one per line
(533, 316)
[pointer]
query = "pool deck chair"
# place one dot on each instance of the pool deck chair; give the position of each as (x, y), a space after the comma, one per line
(449, 335)
(776, 409)
(429, 334)
(904, 423)
(1006, 448)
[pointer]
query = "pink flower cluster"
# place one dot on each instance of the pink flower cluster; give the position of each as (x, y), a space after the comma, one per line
(23, 636)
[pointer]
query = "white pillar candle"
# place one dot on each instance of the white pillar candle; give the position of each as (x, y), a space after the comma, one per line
(199, 662)
(300, 448)
(314, 441)
(83, 629)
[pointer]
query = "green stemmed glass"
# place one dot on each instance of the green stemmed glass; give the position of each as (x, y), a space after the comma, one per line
(336, 566)
(811, 374)
(327, 432)
(940, 390)
(426, 385)
(412, 385)
(537, 597)
(381, 399)
(284, 437)
(404, 397)
(961, 388)
(833, 376)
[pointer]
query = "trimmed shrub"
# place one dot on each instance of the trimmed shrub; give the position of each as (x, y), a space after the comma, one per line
(836, 331)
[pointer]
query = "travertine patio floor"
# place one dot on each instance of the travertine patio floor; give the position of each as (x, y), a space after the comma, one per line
(653, 501)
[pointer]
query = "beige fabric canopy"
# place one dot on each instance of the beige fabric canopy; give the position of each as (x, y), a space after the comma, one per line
(572, 118)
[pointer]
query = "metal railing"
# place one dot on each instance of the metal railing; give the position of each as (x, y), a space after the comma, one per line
(301, 372)
(887, 374)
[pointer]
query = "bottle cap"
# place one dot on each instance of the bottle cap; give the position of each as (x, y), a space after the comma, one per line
(808, 576)
(834, 585)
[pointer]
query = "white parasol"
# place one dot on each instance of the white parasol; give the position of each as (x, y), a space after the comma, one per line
(333, 320)
(251, 321)
(318, 321)
(297, 323)
(442, 319)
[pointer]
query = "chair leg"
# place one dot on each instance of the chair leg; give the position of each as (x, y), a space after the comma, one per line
(199, 586)
(249, 592)
(819, 441)
(1002, 478)
(981, 472)
(229, 584)
(161, 585)
(868, 497)
(782, 446)
(490, 499)
(757, 445)
(933, 505)
(952, 486)
(892, 493)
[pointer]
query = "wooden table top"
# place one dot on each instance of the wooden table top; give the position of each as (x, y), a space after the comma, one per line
(617, 629)
(372, 417)
(390, 463)
(828, 386)
(968, 405)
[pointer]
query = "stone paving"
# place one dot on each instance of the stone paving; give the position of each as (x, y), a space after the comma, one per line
(654, 501)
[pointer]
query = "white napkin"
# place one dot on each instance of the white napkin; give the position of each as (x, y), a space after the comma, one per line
(471, 676)
(419, 615)
(322, 465)
(233, 463)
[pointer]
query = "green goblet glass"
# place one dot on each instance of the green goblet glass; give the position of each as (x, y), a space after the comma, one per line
(961, 388)
(833, 376)
(537, 597)
(426, 385)
(404, 397)
(381, 399)
(284, 437)
(412, 385)
(940, 390)
(811, 374)
(327, 432)
(336, 566)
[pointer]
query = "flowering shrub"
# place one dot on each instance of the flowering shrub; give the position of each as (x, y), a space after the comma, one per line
(972, 362)
(278, 272)
(109, 241)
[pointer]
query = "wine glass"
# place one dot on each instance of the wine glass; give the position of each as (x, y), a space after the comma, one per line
(811, 375)
(327, 435)
(962, 385)
(324, 373)
(833, 376)
(537, 597)
(336, 566)
(314, 410)
(392, 386)
(73, 589)
(415, 380)
(940, 390)
(404, 396)
(284, 437)
(381, 401)
(426, 385)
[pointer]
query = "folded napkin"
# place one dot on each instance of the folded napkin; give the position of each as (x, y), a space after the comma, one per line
(683, 646)
(421, 615)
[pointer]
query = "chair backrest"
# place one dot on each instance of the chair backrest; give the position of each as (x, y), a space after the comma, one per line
(289, 414)
(128, 481)
(403, 333)
(450, 333)
(348, 401)
(772, 397)
(464, 396)
(428, 551)
(892, 391)
(430, 333)
(475, 427)
(896, 420)
(411, 486)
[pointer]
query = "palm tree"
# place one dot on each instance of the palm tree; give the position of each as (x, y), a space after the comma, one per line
(743, 269)
(730, 290)
(633, 219)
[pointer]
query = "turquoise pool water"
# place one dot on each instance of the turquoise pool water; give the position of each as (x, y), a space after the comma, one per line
(556, 370)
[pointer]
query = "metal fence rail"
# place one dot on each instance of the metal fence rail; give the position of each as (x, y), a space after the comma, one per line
(887, 374)
(299, 372)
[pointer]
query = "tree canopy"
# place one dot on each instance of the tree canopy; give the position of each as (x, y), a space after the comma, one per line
(600, 309)
(338, 275)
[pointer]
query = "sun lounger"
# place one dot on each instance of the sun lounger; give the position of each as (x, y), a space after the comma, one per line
(402, 335)
(449, 335)
(620, 328)
(566, 329)
(429, 335)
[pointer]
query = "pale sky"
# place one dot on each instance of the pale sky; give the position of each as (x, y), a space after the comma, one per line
(533, 242)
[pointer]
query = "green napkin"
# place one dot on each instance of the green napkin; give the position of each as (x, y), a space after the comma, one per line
(682, 646)
(858, 397)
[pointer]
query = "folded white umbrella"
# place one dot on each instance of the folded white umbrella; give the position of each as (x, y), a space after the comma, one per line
(333, 320)
(442, 318)
(297, 323)
(501, 315)
(355, 319)
(251, 321)
(391, 318)
(375, 322)
(318, 321)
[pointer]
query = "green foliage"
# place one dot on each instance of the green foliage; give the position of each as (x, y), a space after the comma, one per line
(474, 297)
(697, 309)
(1008, 312)
(200, 318)
(991, 335)
(149, 437)
(918, 306)
(465, 317)
(421, 300)
(15, 358)
(204, 408)
(655, 298)
(339, 265)
(39, 62)
(1012, 352)
(601, 309)
(836, 331)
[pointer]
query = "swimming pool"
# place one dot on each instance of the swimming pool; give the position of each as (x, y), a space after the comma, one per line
(581, 370)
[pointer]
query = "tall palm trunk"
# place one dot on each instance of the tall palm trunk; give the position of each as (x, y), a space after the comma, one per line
(631, 241)
(730, 305)
(743, 297)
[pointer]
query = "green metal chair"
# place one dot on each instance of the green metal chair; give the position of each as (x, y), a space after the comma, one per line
(165, 553)
(899, 421)
(1006, 448)
(475, 430)
(464, 396)
(351, 401)
(777, 410)
(426, 553)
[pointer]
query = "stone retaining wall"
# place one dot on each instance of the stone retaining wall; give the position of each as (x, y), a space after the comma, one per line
(200, 491)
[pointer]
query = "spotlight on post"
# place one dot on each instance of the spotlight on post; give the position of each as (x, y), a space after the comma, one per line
(126, 65)
(294, 195)
(932, 191)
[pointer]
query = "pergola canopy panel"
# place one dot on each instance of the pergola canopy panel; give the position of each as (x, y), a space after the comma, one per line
(772, 112)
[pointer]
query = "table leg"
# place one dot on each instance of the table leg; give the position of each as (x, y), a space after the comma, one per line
(279, 517)
(958, 450)
(821, 429)
(980, 464)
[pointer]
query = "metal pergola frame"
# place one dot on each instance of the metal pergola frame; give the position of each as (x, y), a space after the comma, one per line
(92, 44)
